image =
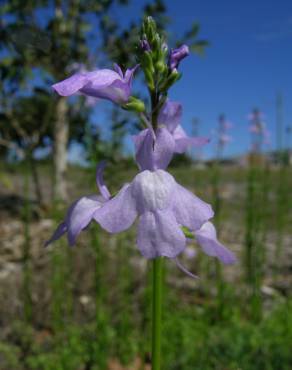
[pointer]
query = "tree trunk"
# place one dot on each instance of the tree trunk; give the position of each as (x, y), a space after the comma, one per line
(61, 137)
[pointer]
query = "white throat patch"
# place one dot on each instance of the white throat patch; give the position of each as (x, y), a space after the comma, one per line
(152, 190)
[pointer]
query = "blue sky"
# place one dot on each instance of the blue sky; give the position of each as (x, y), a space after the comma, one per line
(248, 62)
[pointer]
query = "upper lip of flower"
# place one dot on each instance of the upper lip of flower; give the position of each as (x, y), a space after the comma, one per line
(102, 83)
(155, 150)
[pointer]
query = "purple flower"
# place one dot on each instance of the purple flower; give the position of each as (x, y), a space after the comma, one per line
(162, 205)
(176, 55)
(255, 128)
(206, 237)
(227, 125)
(259, 133)
(155, 150)
(102, 83)
(170, 117)
(81, 212)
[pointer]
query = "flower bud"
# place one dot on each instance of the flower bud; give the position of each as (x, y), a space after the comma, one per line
(150, 28)
(156, 44)
(149, 79)
(160, 66)
(146, 61)
(144, 45)
(134, 105)
(164, 47)
(171, 79)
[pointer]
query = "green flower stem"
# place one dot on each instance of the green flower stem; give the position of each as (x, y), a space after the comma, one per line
(156, 312)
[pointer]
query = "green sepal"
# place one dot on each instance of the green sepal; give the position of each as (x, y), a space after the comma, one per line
(146, 61)
(171, 79)
(187, 232)
(134, 105)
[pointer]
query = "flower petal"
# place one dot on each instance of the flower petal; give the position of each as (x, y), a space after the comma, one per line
(118, 91)
(163, 148)
(99, 181)
(129, 74)
(189, 210)
(61, 230)
(184, 269)
(102, 78)
(207, 238)
(80, 214)
(154, 154)
(160, 235)
(102, 83)
(119, 213)
(170, 115)
(183, 141)
(144, 149)
(118, 69)
(71, 85)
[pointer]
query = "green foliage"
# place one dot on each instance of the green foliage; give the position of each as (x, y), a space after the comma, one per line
(235, 344)
(9, 356)
(76, 348)
(191, 341)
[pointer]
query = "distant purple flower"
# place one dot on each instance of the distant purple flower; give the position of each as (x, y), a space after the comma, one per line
(155, 150)
(259, 133)
(176, 55)
(190, 252)
(81, 212)
(256, 128)
(224, 125)
(227, 125)
(221, 134)
(207, 238)
(162, 205)
(224, 139)
(102, 83)
(255, 115)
